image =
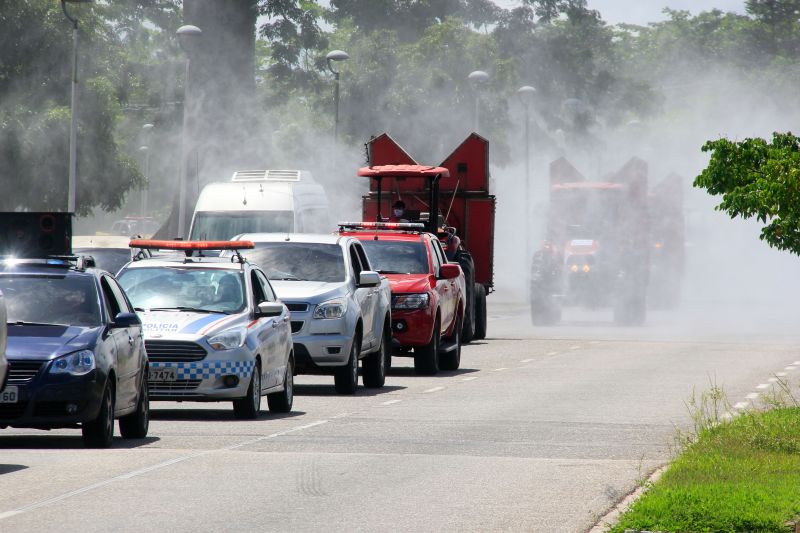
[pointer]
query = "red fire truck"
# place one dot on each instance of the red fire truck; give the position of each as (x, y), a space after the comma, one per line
(453, 202)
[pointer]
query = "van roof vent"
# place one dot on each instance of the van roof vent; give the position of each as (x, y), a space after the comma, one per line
(266, 175)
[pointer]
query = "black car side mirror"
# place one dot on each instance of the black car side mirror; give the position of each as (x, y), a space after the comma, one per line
(126, 320)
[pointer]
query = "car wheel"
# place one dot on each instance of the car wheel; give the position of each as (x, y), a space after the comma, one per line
(426, 358)
(247, 408)
(281, 402)
(100, 432)
(375, 365)
(136, 424)
(345, 379)
(480, 312)
(452, 360)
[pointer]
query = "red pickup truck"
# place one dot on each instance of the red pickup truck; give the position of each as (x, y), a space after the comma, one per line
(427, 292)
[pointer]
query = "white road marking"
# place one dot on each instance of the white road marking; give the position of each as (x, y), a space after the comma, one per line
(762, 386)
(500, 369)
(151, 468)
(340, 415)
(781, 374)
(553, 353)
(390, 402)
(594, 342)
(796, 363)
(469, 378)
(741, 405)
(526, 360)
(789, 367)
(574, 347)
(435, 389)
(752, 396)
(773, 380)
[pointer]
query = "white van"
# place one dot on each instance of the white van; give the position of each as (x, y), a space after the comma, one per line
(261, 201)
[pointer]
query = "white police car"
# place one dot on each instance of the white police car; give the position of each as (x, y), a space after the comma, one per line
(213, 328)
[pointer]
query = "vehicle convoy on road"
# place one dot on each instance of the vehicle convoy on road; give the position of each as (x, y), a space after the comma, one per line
(452, 201)
(606, 242)
(428, 291)
(214, 329)
(260, 201)
(340, 306)
(75, 350)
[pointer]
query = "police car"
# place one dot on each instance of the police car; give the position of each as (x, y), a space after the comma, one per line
(214, 330)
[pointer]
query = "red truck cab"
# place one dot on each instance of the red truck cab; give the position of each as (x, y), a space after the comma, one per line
(428, 292)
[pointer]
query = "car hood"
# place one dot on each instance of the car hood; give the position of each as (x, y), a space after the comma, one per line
(48, 342)
(160, 324)
(409, 282)
(307, 290)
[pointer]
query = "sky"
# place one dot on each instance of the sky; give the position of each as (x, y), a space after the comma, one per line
(644, 11)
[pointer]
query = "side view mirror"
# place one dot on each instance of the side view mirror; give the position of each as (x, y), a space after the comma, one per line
(449, 271)
(368, 278)
(269, 309)
(126, 320)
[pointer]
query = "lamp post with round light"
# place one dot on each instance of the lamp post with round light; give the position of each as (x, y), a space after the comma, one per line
(478, 78)
(73, 122)
(187, 36)
(333, 56)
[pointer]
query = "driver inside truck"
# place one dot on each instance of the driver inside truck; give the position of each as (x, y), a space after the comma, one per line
(398, 212)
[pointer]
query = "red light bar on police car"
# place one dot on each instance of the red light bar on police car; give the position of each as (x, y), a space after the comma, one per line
(416, 226)
(191, 245)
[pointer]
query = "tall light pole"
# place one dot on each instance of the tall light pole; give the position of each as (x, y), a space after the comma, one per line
(187, 36)
(526, 94)
(73, 121)
(335, 55)
(145, 149)
(477, 78)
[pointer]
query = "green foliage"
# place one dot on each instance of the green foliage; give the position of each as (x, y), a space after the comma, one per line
(758, 179)
(739, 476)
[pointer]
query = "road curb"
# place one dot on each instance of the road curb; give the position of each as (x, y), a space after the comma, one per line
(612, 516)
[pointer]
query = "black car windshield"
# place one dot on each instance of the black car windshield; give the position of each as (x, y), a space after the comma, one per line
(297, 261)
(70, 300)
(397, 257)
(109, 259)
(211, 290)
(224, 225)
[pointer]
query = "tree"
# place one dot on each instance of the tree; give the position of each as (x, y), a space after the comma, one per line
(758, 179)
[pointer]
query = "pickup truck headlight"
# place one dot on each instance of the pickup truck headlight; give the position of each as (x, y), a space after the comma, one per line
(410, 301)
(76, 364)
(335, 308)
(228, 340)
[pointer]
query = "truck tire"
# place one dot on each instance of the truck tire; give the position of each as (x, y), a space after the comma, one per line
(452, 360)
(468, 266)
(345, 378)
(374, 366)
(480, 312)
(426, 358)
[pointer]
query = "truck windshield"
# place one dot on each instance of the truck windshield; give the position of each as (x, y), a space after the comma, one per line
(397, 257)
(299, 261)
(210, 290)
(224, 225)
(61, 300)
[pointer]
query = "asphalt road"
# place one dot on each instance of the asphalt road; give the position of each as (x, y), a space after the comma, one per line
(541, 430)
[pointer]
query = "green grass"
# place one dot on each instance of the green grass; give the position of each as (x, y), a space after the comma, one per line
(742, 475)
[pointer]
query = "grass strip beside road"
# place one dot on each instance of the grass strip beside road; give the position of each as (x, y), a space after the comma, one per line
(740, 475)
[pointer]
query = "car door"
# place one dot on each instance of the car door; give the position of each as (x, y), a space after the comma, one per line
(121, 342)
(442, 286)
(376, 309)
(282, 331)
(263, 332)
(451, 284)
(135, 339)
(363, 297)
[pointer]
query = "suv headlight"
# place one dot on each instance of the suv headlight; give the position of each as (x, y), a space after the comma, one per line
(410, 301)
(335, 308)
(228, 340)
(76, 364)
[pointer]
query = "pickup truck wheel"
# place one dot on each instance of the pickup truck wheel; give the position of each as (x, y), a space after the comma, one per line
(426, 358)
(281, 402)
(480, 312)
(136, 424)
(345, 380)
(100, 432)
(452, 360)
(247, 408)
(374, 366)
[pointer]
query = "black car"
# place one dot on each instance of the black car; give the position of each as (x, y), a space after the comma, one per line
(75, 352)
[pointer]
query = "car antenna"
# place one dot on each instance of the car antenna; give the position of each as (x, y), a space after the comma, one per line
(244, 195)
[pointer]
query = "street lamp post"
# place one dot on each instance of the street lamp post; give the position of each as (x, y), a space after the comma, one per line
(145, 149)
(335, 55)
(477, 78)
(187, 36)
(73, 122)
(526, 94)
